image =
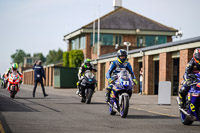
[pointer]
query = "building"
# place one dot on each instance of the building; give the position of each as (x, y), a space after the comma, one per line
(164, 62)
(119, 26)
(28, 63)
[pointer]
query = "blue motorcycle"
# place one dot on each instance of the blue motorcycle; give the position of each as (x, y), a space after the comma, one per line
(121, 93)
(191, 112)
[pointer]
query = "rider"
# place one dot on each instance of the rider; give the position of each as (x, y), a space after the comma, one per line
(14, 68)
(193, 65)
(85, 66)
(116, 67)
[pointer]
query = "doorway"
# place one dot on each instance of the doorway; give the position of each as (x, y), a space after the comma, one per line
(175, 84)
(156, 77)
(140, 78)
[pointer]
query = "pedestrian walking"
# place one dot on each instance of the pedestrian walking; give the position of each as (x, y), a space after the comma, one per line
(38, 76)
(141, 78)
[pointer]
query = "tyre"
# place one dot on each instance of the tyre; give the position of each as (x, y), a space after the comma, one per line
(2, 86)
(184, 119)
(124, 106)
(89, 96)
(13, 92)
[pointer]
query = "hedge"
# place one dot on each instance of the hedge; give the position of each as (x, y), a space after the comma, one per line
(74, 58)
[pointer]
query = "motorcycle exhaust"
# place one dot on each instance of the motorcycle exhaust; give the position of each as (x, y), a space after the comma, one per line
(113, 107)
(183, 111)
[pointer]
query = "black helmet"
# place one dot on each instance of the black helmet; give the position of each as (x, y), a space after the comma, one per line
(120, 53)
(196, 56)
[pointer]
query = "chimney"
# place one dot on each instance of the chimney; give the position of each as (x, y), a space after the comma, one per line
(117, 4)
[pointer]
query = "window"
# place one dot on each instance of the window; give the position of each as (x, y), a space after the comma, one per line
(150, 40)
(105, 39)
(96, 37)
(82, 42)
(140, 41)
(75, 44)
(29, 61)
(118, 40)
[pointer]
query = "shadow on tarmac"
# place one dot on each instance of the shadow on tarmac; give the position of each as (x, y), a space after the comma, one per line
(150, 117)
(31, 98)
(10, 105)
(97, 103)
(4, 124)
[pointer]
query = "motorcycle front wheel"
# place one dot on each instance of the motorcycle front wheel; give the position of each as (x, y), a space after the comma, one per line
(124, 107)
(184, 119)
(89, 96)
(13, 92)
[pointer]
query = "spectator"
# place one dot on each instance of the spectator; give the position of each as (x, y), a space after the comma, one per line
(38, 76)
(141, 78)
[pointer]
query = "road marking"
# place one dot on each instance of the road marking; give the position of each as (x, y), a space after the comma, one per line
(154, 112)
(1, 128)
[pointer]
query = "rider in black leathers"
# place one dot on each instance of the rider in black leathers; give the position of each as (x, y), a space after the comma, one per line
(193, 65)
(81, 86)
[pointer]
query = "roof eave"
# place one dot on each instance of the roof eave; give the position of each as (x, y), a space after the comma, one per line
(118, 31)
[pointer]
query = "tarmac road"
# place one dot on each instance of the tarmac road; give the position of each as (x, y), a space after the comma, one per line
(62, 112)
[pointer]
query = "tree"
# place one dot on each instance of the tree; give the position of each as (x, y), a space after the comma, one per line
(40, 56)
(18, 56)
(59, 55)
(54, 56)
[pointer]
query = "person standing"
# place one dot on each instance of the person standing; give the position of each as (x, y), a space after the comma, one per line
(38, 76)
(141, 78)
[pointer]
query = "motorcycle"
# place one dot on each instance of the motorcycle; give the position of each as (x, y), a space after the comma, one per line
(191, 112)
(14, 80)
(4, 82)
(121, 93)
(90, 82)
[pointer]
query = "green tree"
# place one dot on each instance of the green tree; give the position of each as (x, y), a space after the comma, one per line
(40, 56)
(54, 56)
(59, 55)
(18, 56)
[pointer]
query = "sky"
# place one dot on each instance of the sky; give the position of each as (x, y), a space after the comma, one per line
(39, 25)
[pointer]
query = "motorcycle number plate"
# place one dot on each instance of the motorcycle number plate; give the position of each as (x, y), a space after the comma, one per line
(125, 82)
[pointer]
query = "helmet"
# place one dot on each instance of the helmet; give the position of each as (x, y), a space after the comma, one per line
(121, 53)
(14, 66)
(196, 55)
(87, 62)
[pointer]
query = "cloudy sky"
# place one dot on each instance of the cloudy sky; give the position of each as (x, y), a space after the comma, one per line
(39, 25)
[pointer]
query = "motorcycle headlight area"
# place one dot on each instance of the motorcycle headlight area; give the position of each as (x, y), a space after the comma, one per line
(198, 85)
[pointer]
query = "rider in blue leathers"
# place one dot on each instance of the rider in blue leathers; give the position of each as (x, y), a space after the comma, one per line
(116, 67)
(192, 66)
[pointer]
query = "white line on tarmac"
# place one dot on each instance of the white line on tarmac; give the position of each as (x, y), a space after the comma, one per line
(154, 112)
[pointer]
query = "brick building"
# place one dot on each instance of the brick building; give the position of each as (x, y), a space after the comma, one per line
(164, 62)
(119, 26)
